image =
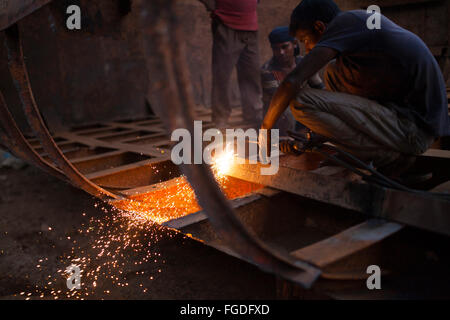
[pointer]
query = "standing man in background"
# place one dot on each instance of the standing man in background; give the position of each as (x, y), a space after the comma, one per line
(235, 44)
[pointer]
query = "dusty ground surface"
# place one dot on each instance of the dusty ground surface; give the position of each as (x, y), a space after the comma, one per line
(46, 225)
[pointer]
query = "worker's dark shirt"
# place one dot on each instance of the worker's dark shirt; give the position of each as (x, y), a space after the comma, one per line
(389, 65)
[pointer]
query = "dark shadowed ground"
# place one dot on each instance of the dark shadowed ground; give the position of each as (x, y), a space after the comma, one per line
(46, 224)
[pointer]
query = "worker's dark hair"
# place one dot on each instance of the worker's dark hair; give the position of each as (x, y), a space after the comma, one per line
(309, 11)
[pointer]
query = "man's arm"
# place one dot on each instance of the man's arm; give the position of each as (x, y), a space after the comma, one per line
(291, 86)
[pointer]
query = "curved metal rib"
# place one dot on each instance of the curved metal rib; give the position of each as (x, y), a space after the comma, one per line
(172, 86)
(19, 146)
(19, 74)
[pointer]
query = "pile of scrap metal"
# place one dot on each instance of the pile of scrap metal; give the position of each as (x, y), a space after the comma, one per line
(340, 223)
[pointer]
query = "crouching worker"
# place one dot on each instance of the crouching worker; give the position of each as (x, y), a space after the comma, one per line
(286, 56)
(386, 98)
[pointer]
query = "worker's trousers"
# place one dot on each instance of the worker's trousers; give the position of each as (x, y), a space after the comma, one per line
(233, 48)
(363, 127)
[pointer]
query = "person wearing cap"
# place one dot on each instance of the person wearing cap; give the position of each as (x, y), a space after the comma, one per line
(235, 45)
(286, 56)
(386, 98)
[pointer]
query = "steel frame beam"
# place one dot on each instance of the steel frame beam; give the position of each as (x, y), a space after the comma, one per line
(417, 210)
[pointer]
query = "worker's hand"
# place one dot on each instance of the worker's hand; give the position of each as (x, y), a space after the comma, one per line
(286, 146)
(264, 145)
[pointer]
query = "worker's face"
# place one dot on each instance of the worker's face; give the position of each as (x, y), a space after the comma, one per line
(310, 37)
(284, 52)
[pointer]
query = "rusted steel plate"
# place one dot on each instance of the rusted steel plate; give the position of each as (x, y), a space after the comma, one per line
(19, 146)
(135, 175)
(20, 77)
(418, 210)
(12, 11)
(105, 161)
(296, 177)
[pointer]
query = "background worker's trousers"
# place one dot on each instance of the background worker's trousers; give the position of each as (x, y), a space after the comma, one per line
(360, 126)
(233, 48)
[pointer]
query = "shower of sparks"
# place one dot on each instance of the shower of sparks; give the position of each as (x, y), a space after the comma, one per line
(121, 243)
(176, 198)
(119, 250)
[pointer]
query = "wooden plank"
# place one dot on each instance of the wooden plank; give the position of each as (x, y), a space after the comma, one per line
(348, 242)
(437, 153)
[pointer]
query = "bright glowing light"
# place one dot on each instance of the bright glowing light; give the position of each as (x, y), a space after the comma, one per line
(224, 161)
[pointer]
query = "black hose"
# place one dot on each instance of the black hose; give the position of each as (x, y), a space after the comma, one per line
(376, 176)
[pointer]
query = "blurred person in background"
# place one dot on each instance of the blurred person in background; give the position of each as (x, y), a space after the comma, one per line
(286, 56)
